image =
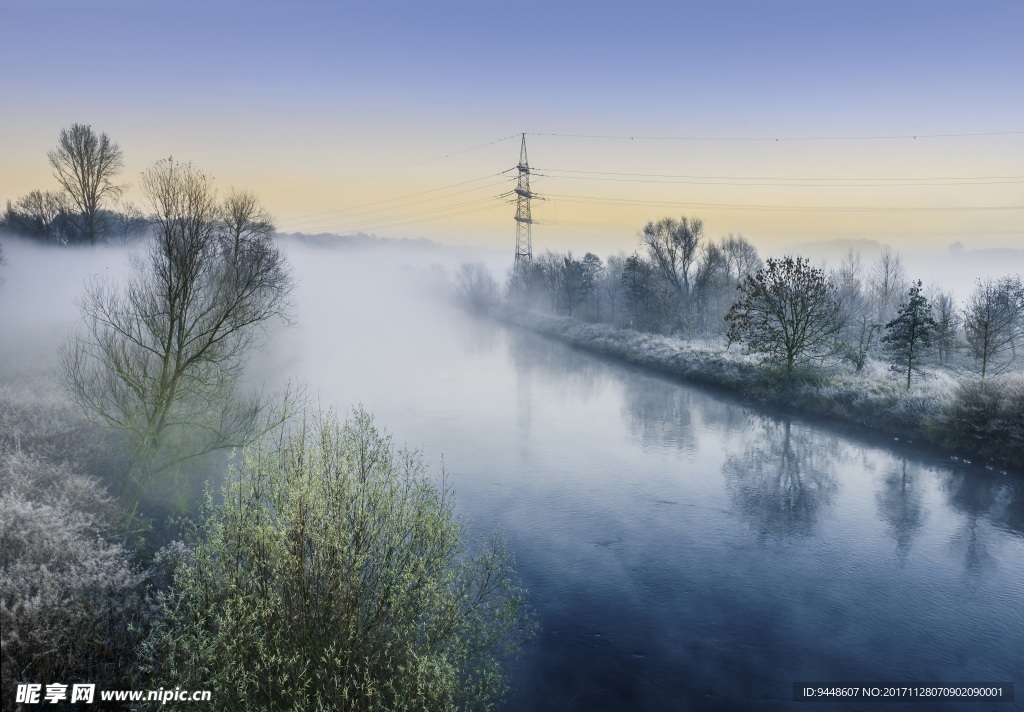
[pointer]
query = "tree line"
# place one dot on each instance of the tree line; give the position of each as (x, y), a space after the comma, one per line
(86, 206)
(792, 313)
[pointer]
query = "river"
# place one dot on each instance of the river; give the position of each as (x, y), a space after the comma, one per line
(682, 550)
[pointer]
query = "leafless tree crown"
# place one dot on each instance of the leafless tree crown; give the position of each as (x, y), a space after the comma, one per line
(85, 164)
(161, 356)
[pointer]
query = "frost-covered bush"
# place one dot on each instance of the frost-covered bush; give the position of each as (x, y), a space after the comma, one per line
(35, 418)
(986, 415)
(334, 575)
(72, 606)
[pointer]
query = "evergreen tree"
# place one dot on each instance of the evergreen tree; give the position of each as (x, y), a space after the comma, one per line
(909, 336)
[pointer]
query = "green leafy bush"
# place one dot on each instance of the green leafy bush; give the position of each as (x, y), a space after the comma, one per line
(335, 575)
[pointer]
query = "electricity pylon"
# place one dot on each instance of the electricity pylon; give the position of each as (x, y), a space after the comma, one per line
(524, 221)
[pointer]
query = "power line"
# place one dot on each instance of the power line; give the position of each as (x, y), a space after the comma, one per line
(808, 208)
(374, 174)
(387, 225)
(817, 178)
(489, 202)
(783, 183)
(401, 197)
(349, 215)
(776, 139)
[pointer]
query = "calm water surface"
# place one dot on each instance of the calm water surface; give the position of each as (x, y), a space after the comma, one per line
(681, 550)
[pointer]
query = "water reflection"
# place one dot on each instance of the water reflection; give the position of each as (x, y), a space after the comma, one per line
(999, 497)
(660, 414)
(634, 505)
(976, 497)
(782, 480)
(553, 362)
(971, 543)
(900, 505)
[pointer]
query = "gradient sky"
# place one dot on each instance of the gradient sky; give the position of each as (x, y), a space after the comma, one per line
(323, 108)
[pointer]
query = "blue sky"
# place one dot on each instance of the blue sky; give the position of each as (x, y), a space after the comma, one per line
(320, 108)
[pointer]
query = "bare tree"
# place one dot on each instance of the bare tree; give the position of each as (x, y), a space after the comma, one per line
(475, 286)
(741, 255)
(860, 328)
(244, 221)
(888, 283)
(161, 357)
(787, 311)
(991, 320)
(84, 164)
(947, 323)
(713, 289)
(611, 285)
(129, 222)
(41, 215)
(673, 248)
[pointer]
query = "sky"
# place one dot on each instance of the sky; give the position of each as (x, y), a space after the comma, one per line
(788, 121)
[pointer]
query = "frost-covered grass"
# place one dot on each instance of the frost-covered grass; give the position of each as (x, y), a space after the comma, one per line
(983, 418)
(73, 605)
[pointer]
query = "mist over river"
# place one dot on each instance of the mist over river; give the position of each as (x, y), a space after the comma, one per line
(681, 550)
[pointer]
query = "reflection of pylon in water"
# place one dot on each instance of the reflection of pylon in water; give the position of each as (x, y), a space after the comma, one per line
(524, 221)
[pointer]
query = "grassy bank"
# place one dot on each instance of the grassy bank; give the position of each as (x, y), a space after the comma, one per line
(983, 419)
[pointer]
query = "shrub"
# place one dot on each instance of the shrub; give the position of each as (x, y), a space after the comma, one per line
(986, 416)
(335, 575)
(39, 421)
(72, 606)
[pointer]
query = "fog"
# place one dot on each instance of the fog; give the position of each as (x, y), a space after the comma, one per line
(955, 267)
(678, 546)
(371, 283)
(39, 286)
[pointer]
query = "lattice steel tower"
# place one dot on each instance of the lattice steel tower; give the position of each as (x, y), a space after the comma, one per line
(524, 221)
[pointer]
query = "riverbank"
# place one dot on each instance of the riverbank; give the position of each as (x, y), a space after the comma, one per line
(982, 419)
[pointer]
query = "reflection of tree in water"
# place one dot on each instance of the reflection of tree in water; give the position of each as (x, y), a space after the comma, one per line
(997, 496)
(979, 496)
(721, 411)
(1011, 516)
(659, 412)
(533, 354)
(782, 480)
(900, 505)
(971, 543)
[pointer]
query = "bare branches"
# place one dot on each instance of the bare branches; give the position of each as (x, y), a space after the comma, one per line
(84, 164)
(994, 323)
(160, 357)
(672, 245)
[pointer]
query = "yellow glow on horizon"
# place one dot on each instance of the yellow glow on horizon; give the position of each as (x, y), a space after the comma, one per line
(393, 184)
